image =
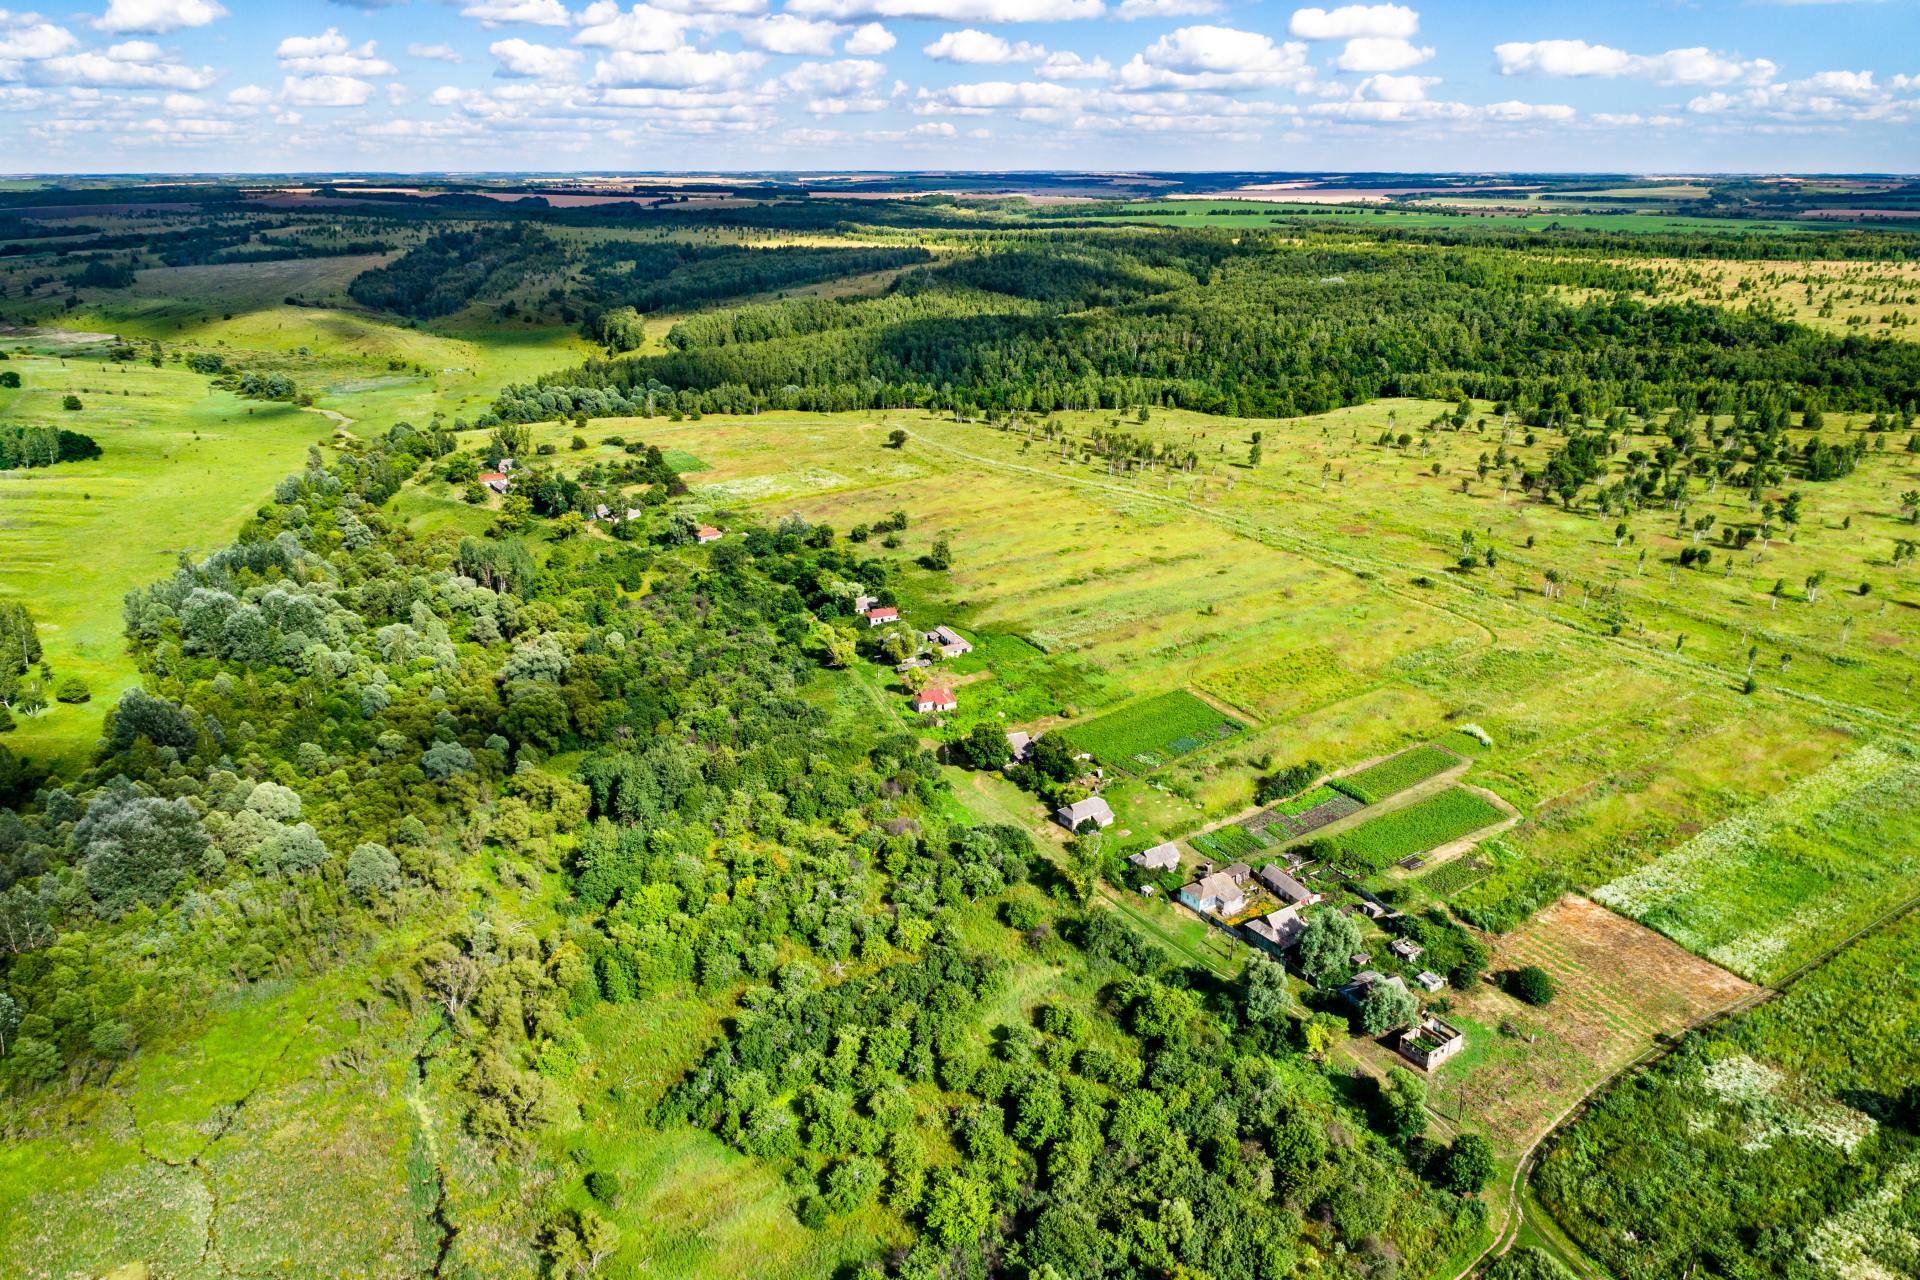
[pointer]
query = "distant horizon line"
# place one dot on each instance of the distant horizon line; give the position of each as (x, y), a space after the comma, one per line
(855, 172)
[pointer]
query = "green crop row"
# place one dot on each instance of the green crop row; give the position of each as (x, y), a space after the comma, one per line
(1160, 728)
(1396, 773)
(1432, 822)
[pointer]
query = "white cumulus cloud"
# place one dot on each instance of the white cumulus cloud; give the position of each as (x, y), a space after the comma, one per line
(435, 53)
(954, 10)
(1134, 10)
(525, 60)
(26, 37)
(1207, 57)
(1381, 53)
(157, 17)
(641, 29)
(784, 33)
(869, 39)
(325, 91)
(981, 48)
(1071, 66)
(678, 68)
(1355, 22)
(1577, 58)
(537, 13)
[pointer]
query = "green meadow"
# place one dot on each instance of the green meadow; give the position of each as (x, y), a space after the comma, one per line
(184, 463)
(182, 466)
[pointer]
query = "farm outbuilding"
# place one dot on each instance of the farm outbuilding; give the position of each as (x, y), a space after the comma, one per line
(1431, 1042)
(1285, 887)
(949, 642)
(881, 615)
(1093, 808)
(1162, 857)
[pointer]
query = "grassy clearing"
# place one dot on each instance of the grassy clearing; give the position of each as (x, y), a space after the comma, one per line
(1396, 773)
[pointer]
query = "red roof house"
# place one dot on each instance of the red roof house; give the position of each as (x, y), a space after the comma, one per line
(928, 701)
(708, 534)
(881, 616)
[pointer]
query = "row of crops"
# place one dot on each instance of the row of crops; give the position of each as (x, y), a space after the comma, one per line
(1142, 737)
(1396, 773)
(1328, 803)
(1439, 819)
(1307, 812)
(1232, 844)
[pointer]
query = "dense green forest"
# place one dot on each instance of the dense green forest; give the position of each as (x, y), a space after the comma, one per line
(454, 267)
(1250, 325)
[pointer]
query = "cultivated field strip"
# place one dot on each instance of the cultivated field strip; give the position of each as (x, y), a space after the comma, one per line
(1776, 882)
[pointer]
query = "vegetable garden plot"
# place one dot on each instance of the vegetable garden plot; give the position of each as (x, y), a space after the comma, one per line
(1329, 808)
(1304, 813)
(1146, 735)
(1455, 876)
(1232, 843)
(1396, 773)
(1437, 820)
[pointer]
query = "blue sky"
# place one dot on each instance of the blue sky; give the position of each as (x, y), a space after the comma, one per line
(1658, 86)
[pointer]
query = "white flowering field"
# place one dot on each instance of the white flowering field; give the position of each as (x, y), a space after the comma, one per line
(1772, 886)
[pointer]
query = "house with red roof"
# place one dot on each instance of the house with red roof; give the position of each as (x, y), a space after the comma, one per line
(708, 534)
(881, 615)
(498, 481)
(930, 701)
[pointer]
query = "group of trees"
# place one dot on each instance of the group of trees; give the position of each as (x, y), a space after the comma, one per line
(1229, 1148)
(22, 447)
(625, 279)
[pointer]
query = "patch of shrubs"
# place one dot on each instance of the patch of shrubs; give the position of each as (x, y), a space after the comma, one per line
(1531, 985)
